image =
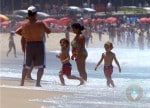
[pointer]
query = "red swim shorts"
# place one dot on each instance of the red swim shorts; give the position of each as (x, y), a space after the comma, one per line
(66, 68)
(108, 70)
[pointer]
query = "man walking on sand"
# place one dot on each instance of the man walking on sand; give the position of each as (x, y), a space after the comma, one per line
(33, 31)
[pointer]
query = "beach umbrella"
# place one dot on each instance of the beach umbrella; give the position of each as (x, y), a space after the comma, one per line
(86, 21)
(3, 17)
(93, 19)
(12, 16)
(24, 12)
(64, 21)
(148, 19)
(143, 19)
(90, 10)
(111, 19)
(5, 23)
(74, 9)
(42, 14)
(50, 20)
(99, 20)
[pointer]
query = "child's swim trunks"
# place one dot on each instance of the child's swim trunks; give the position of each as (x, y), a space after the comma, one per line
(108, 70)
(66, 69)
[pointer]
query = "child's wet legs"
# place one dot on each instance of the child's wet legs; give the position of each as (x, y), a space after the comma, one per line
(61, 79)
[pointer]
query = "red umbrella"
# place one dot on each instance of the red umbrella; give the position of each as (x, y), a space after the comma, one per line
(148, 19)
(63, 21)
(50, 20)
(144, 19)
(111, 19)
(86, 21)
(5, 23)
(66, 19)
(99, 20)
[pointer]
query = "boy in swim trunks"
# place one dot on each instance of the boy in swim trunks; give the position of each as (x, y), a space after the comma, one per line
(108, 58)
(66, 66)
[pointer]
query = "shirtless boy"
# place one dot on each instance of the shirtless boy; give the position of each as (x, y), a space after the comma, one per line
(108, 58)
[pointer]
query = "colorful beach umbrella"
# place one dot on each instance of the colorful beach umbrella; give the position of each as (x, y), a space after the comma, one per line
(143, 19)
(99, 20)
(64, 21)
(24, 12)
(5, 23)
(50, 20)
(89, 10)
(111, 19)
(3, 17)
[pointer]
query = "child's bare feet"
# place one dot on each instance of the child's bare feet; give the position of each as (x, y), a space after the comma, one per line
(63, 84)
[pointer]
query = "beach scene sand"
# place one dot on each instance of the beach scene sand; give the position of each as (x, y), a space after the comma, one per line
(132, 85)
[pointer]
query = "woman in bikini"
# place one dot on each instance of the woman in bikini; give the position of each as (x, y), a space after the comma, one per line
(108, 58)
(79, 53)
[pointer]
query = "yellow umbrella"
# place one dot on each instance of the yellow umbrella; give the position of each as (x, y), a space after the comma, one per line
(3, 17)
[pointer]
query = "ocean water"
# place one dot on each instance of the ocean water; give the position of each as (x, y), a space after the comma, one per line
(132, 84)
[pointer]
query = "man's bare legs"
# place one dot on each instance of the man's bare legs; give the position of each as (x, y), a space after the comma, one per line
(39, 76)
(24, 72)
(28, 76)
(29, 72)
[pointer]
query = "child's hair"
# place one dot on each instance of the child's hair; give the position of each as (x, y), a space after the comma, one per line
(77, 26)
(64, 40)
(108, 43)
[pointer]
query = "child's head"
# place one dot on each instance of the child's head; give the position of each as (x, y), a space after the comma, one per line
(108, 46)
(64, 42)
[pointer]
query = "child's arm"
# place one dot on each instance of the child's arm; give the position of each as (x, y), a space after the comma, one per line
(116, 61)
(102, 57)
(65, 60)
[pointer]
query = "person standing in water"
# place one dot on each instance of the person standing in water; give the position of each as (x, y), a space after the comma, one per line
(33, 31)
(108, 58)
(11, 44)
(79, 52)
(66, 66)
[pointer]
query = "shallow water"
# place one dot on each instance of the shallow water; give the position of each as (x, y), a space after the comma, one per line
(135, 78)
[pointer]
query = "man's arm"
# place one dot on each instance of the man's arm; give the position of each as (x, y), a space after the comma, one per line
(47, 29)
(19, 31)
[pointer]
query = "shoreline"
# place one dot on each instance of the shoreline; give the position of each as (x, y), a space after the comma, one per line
(14, 96)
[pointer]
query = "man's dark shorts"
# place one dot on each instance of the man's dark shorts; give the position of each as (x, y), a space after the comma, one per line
(35, 52)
